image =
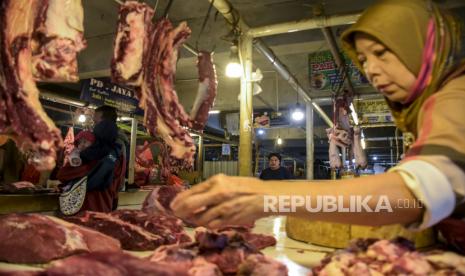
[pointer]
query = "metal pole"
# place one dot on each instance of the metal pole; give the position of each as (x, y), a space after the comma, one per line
(302, 25)
(284, 72)
(328, 34)
(132, 151)
(190, 49)
(234, 19)
(200, 158)
(391, 144)
(245, 137)
(310, 141)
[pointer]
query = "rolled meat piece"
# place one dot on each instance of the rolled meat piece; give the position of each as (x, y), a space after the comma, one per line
(131, 42)
(359, 153)
(57, 39)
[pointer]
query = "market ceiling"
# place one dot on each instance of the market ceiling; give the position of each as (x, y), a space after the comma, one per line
(292, 49)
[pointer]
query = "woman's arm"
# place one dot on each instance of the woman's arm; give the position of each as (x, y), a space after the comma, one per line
(237, 200)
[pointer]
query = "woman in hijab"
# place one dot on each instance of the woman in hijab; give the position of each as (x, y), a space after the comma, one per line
(413, 53)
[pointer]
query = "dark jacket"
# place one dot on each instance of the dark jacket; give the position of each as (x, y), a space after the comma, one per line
(279, 174)
(106, 133)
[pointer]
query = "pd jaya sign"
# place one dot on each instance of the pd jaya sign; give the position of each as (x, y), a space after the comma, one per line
(102, 91)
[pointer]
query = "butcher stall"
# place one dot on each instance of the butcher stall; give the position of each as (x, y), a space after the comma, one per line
(199, 88)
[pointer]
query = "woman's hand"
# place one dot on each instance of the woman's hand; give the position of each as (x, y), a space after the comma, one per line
(222, 200)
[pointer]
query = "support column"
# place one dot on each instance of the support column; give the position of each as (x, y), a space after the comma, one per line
(200, 157)
(132, 151)
(246, 111)
(309, 140)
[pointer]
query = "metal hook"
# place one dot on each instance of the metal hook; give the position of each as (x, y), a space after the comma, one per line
(167, 9)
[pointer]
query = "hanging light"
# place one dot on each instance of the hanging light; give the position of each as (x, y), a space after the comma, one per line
(234, 68)
(82, 118)
(261, 132)
(279, 141)
(297, 113)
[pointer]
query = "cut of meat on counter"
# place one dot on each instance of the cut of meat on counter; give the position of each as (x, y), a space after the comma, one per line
(158, 202)
(26, 238)
(185, 257)
(57, 39)
(21, 186)
(110, 264)
(132, 237)
(259, 241)
(168, 227)
(261, 265)
(22, 117)
(159, 199)
(383, 257)
(145, 56)
(226, 252)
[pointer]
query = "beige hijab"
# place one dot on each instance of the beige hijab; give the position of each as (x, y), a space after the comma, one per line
(425, 39)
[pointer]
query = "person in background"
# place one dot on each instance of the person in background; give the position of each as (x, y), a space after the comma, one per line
(74, 168)
(106, 134)
(413, 53)
(108, 138)
(83, 140)
(275, 171)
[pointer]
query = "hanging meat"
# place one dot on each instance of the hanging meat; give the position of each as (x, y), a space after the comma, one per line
(145, 57)
(359, 153)
(22, 117)
(57, 39)
(131, 42)
(164, 116)
(206, 93)
(343, 136)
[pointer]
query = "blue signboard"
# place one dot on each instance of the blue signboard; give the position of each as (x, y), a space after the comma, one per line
(101, 91)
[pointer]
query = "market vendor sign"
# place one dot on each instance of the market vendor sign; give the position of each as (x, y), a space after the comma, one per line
(101, 91)
(325, 76)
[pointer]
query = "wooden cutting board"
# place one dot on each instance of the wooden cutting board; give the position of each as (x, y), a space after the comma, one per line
(338, 235)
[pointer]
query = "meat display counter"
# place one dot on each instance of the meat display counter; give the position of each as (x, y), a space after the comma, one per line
(48, 202)
(297, 256)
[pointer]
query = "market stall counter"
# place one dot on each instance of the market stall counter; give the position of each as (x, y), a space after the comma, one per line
(48, 202)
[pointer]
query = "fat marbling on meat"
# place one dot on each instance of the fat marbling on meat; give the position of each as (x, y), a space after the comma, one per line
(131, 42)
(57, 39)
(22, 117)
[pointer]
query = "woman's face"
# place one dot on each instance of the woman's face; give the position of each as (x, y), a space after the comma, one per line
(383, 69)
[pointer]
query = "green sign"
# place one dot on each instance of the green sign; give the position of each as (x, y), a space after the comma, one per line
(324, 75)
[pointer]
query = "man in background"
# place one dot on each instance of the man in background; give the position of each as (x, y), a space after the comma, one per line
(275, 171)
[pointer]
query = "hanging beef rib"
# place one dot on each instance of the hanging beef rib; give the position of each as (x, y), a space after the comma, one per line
(206, 93)
(145, 56)
(131, 42)
(57, 38)
(21, 115)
